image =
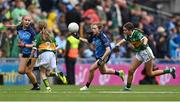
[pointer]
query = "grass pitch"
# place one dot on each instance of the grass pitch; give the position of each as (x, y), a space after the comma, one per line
(96, 93)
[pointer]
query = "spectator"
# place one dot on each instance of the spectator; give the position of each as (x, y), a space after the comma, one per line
(161, 43)
(19, 11)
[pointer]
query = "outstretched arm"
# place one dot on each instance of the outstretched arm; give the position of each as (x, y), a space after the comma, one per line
(83, 39)
(10, 26)
(22, 44)
(121, 42)
(76, 35)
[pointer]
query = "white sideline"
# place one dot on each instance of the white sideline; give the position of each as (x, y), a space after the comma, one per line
(92, 101)
(100, 92)
(139, 92)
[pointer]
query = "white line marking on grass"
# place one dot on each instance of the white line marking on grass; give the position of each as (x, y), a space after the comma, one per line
(90, 92)
(92, 101)
(114, 92)
(138, 92)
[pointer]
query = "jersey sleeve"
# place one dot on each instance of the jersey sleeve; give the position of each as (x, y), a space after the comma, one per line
(37, 40)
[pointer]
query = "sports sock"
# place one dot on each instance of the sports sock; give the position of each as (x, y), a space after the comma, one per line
(128, 85)
(88, 84)
(167, 71)
(46, 83)
(35, 85)
(116, 73)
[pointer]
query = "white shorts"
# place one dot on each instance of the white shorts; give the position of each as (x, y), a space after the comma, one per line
(47, 60)
(145, 55)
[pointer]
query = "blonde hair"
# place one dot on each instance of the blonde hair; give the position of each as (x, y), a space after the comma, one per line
(43, 29)
(99, 25)
(42, 25)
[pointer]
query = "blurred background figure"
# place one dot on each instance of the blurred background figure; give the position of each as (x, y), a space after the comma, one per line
(71, 55)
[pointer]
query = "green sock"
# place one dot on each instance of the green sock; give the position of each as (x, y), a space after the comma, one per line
(128, 85)
(52, 74)
(166, 71)
(46, 83)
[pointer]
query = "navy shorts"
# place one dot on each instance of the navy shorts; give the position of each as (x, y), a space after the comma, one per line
(26, 55)
(106, 59)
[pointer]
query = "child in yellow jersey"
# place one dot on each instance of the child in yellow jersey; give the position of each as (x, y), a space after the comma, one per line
(143, 54)
(46, 45)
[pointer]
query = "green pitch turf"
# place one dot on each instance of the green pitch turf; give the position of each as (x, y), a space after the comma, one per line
(98, 93)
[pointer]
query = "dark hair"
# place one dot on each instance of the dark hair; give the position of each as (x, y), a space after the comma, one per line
(129, 26)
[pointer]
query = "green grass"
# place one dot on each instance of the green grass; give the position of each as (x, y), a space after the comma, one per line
(98, 93)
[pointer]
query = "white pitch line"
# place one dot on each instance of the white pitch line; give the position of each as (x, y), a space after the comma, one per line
(138, 92)
(92, 101)
(101, 92)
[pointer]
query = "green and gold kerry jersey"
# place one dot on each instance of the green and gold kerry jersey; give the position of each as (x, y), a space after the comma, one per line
(45, 45)
(135, 39)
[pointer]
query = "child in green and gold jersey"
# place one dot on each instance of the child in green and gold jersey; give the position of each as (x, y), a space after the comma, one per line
(144, 54)
(46, 45)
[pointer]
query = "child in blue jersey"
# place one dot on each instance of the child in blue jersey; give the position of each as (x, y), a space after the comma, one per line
(26, 35)
(102, 54)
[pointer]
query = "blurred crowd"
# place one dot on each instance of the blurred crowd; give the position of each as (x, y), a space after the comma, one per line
(164, 38)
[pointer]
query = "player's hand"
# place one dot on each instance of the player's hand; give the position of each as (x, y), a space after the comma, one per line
(100, 62)
(116, 47)
(21, 44)
(76, 35)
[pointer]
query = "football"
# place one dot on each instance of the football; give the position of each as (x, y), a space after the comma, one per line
(73, 27)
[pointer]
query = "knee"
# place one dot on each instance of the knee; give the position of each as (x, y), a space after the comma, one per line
(91, 70)
(103, 72)
(131, 72)
(27, 71)
(21, 72)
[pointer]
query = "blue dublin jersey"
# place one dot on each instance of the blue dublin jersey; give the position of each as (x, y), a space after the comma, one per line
(101, 41)
(27, 36)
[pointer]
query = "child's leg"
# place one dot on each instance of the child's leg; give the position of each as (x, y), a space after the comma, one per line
(90, 77)
(44, 78)
(150, 72)
(60, 75)
(135, 64)
(105, 70)
(31, 75)
(21, 69)
(91, 73)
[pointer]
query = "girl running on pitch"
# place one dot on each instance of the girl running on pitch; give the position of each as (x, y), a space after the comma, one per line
(143, 54)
